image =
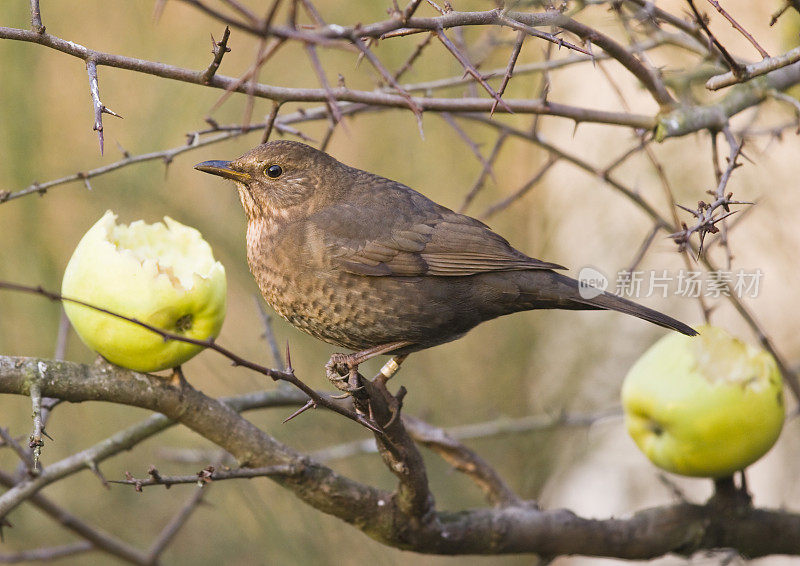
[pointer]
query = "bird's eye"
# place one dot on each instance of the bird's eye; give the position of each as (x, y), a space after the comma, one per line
(274, 171)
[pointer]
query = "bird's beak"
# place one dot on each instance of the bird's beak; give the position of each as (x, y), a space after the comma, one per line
(223, 169)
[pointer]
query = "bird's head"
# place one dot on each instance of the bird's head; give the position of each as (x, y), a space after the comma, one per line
(280, 177)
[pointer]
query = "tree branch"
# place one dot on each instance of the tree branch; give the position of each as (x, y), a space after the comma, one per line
(682, 528)
(283, 94)
(754, 70)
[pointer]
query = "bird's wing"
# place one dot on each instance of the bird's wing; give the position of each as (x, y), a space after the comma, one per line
(418, 242)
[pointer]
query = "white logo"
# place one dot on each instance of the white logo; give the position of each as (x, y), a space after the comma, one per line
(591, 282)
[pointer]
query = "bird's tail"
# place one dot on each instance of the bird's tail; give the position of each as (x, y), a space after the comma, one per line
(571, 296)
(616, 303)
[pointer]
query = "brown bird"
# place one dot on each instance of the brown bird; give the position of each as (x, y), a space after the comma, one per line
(371, 265)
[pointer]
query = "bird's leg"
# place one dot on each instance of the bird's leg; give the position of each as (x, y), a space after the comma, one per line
(390, 368)
(344, 363)
(342, 369)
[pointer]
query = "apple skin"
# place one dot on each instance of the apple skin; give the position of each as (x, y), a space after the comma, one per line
(162, 274)
(704, 406)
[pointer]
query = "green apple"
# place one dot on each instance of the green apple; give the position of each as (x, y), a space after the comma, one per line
(704, 406)
(163, 274)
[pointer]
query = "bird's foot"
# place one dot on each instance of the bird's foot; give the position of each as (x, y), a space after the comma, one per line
(342, 372)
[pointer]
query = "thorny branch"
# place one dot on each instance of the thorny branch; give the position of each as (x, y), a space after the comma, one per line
(99, 107)
(733, 64)
(738, 27)
(507, 529)
(36, 17)
(754, 70)
(283, 94)
(205, 476)
(218, 49)
(706, 213)
(276, 375)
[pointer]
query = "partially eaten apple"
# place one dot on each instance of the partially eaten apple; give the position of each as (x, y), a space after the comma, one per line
(162, 274)
(704, 406)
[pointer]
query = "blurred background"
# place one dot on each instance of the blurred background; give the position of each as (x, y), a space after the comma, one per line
(540, 363)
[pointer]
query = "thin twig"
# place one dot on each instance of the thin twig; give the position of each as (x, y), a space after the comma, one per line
(528, 30)
(36, 441)
(510, 67)
(242, 9)
(333, 105)
(413, 57)
(99, 107)
(748, 72)
(62, 338)
(706, 212)
(470, 68)
(167, 156)
(207, 476)
(779, 12)
(645, 245)
(522, 191)
(270, 122)
(218, 49)
(269, 334)
(738, 27)
(447, 117)
(464, 460)
(486, 172)
(388, 77)
(735, 67)
(36, 17)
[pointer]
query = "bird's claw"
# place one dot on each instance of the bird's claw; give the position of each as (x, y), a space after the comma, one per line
(343, 373)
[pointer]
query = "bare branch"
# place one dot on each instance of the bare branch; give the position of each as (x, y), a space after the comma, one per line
(470, 68)
(645, 245)
(336, 114)
(732, 63)
(412, 58)
(269, 335)
(738, 27)
(403, 100)
(47, 554)
(510, 67)
(36, 17)
(243, 10)
(522, 191)
(36, 443)
(99, 107)
(208, 475)
(166, 156)
(464, 460)
(755, 70)
(218, 49)
(486, 172)
(705, 213)
(533, 32)
(513, 529)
